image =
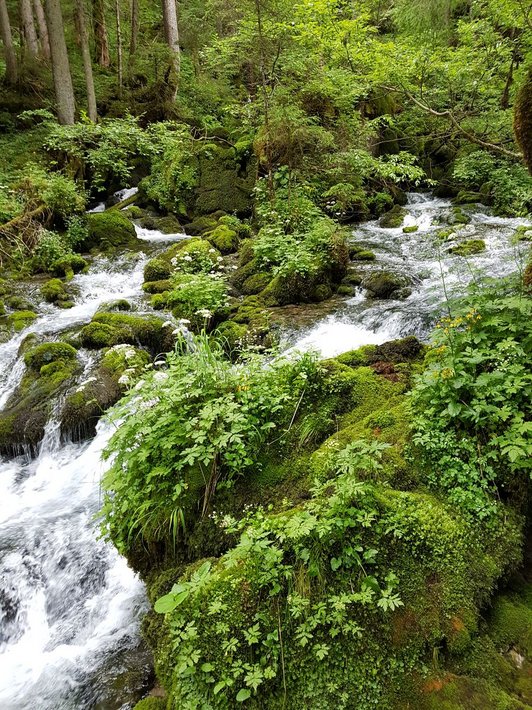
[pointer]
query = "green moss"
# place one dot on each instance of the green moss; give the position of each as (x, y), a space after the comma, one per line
(18, 303)
(523, 233)
(460, 217)
(151, 703)
(393, 218)
(461, 693)
(157, 270)
(465, 197)
(168, 225)
(223, 238)
(232, 335)
(21, 319)
(345, 290)
(255, 283)
(157, 286)
(363, 255)
(110, 230)
(445, 234)
(322, 292)
(510, 623)
(109, 329)
(54, 291)
(119, 305)
(410, 230)
(468, 248)
(134, 212)
(69, 265)
(200, 225)
(384, 284)
(245, 252)
(46, 353)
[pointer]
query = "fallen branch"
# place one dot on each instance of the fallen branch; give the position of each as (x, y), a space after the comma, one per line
(456, 123)
(22, 220)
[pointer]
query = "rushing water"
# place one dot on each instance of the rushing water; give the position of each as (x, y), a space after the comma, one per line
(69, 605)
(422, 256)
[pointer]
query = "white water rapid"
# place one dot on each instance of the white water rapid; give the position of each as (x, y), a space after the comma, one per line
(70, 608)
(434, 273)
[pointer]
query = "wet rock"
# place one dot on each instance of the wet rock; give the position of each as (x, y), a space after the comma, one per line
(393, 218)
(108, 231)
(468, 248)
(384, 284)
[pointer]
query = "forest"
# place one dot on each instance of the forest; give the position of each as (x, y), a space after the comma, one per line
(265, 354)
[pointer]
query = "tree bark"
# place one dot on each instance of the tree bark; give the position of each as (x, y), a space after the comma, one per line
(119, 67)
(172, 37)
(64, 91)
(87, 61)
(28, 27)
(134, 31)
(43, 29)
(7, 39)
(100, 34)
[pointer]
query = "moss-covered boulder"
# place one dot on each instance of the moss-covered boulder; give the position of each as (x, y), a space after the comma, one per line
(223, 238)
(157, 270)
(110, 329)
(20, 320)
(54, 291)
(225, 180)
(256, 283)
(200, 226)
(410, 230)
(168, 224)
(83, 406)
(384, 284)
(358, 252)
(50, 370)
(69, 265)
(469, 247)
(109, 231)
(157, 286)
(394, 218)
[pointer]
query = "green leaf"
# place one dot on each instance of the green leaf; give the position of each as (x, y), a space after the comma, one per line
(243, 694)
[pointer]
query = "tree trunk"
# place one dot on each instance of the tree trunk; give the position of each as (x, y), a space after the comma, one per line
(100, 34)
(43, 29)
(172, 37)
(7, 39)
(64, 91)
(134, 31)
(87, 61)
(28, 26)
(120, 70)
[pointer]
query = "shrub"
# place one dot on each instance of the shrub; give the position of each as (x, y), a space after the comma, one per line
(201, 420)
(198, 298)
(472, 427)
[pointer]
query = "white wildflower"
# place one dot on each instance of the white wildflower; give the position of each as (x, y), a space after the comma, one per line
(204, 313)
(187, 258)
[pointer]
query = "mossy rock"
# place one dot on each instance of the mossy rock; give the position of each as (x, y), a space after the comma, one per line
(523, 233)
(226, 181)
(120, 305)
(54, 291)
(466, 197)
(20, 320)
(410, 230)
(394, 218)
(134, 212)
(345, 290)
(256, 283)
(445, 234)
(469, 247)
(364, 255)
(244, 272)
(463, 693)
(51, 367)
(232, 335)
(109, 231)
(18, 303)
(223, 238)
(200, 226)
(110, 329)
(168, 225)
(157, 286)
(151, 703)
(69, 265)
(384, 284)
(459, 217)
(2, 309)
(83, 407)
(322, 292)
(510, 622)
(157, 270)
(245, 252)
(41, 355)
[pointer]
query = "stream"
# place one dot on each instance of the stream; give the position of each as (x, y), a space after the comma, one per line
(70, 608)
